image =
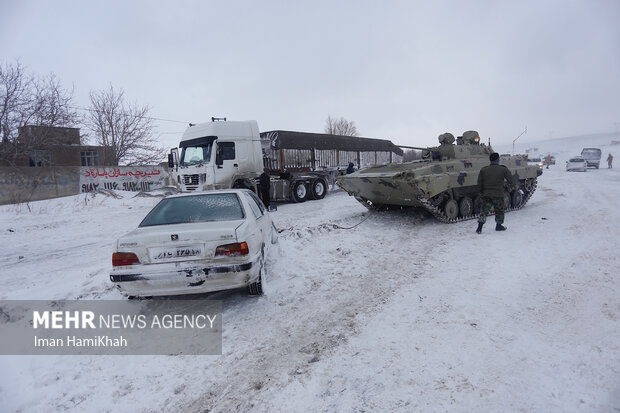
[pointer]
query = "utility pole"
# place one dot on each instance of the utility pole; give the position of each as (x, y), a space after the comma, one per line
(513, 142)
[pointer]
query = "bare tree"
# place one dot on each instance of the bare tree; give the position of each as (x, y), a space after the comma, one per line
(412, 155)
(123, 127)
(14, 85)
(340, 127)
(26, 100)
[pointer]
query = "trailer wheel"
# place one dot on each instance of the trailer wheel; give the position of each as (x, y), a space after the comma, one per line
(243, 184)
(318, 188)
(299, 192)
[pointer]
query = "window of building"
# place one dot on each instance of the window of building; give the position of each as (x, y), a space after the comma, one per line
(89, 158)
(40, 158)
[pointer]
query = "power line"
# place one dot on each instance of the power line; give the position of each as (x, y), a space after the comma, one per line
(125, 114)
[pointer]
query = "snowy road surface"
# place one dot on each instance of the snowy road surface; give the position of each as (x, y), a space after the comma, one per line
(400, 313)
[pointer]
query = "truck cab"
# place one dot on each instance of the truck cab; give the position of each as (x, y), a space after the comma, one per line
(217, 155)
(592, 157)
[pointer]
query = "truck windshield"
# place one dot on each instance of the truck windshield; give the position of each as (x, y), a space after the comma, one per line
(196, 151)
(591, 153)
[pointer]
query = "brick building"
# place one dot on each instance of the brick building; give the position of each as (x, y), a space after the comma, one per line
(43, 146)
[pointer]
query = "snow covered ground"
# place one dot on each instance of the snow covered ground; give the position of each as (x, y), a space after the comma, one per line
(400, 313)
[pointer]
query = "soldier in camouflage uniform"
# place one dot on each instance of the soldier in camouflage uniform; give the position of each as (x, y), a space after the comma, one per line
(491, 185)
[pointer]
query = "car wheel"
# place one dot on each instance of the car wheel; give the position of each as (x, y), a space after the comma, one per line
(299, 192)
(256, 288)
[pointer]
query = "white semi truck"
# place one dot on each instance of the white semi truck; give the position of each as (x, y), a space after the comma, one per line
(232, 154)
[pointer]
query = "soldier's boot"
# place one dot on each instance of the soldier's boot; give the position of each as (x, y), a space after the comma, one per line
(500, 227)
(479, 229)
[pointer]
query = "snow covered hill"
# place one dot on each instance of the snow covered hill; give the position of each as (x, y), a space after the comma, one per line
(565, 148)
(399, 313)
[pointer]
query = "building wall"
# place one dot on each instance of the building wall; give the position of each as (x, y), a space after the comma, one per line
(62, 144)
(24, 184)
(47, 135)
(124, 178)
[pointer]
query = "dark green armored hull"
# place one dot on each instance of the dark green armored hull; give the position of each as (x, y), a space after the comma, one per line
(445, 184)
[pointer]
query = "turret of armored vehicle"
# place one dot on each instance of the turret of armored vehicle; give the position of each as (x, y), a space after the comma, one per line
(444, 181)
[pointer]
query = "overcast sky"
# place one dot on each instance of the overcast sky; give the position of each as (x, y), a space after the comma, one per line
(403, 70)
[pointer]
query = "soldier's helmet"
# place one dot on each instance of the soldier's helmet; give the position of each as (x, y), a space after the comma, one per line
(471, 137)
(446, 138)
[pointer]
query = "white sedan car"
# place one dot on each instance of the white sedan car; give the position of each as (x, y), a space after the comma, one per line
(196, 243)
(577, 163)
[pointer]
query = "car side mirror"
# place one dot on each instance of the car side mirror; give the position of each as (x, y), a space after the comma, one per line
(170, 161)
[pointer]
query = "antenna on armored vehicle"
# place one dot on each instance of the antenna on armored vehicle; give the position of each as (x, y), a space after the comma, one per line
(513, 142)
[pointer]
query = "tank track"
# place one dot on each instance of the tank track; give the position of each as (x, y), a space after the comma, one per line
(441, 216)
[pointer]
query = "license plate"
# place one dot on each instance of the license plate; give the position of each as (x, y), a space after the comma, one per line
(164, 254)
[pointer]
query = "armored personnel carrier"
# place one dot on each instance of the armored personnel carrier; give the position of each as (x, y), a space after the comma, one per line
(444, 181)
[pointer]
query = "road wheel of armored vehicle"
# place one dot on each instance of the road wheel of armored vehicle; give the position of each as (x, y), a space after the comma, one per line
(477, 204)
(507, 199)
(466, 206)
(451, 209)
(517, 198)
(528, 184)
(299, 192)
(318, 188)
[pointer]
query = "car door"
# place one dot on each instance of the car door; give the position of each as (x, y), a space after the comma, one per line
(263, 220)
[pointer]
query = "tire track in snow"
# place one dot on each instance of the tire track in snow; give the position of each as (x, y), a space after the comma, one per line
(288, 333)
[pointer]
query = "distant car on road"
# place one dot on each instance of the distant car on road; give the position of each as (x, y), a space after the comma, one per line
(576, 163)
(196, 243)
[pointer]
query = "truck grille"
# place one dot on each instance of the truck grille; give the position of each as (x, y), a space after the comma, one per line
(190, 179)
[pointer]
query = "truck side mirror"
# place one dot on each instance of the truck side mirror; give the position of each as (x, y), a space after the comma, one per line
(173, 158)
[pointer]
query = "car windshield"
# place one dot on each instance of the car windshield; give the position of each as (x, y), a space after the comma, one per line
(576, 160)
(197, 208)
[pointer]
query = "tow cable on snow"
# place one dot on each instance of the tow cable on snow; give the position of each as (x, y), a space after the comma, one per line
(334, 226)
